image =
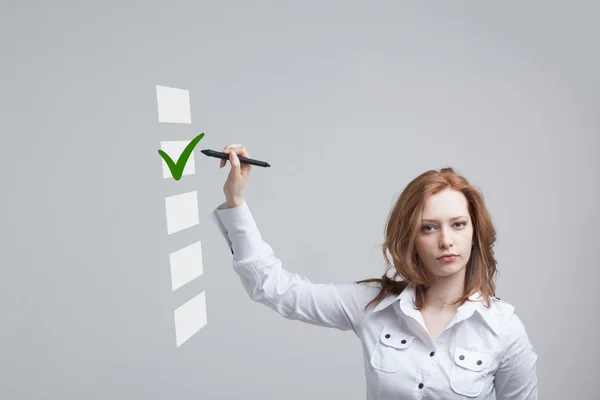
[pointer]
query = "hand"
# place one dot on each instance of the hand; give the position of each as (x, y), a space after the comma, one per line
(238, 175)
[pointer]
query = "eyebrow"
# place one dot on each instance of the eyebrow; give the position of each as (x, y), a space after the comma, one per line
(435, 220)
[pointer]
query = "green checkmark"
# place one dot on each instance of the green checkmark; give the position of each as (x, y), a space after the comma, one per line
(176, 168)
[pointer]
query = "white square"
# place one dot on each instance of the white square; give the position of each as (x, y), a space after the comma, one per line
(173, 105)
(186, 265)
(182, 211)
(190, 318)
(174, 150)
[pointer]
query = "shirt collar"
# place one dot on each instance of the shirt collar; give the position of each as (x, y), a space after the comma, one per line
(406, 299)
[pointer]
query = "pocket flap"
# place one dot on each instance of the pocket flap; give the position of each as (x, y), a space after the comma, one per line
(471, 360)
(396, 339)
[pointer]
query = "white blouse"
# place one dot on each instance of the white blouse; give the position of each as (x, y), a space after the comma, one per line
(481, 350)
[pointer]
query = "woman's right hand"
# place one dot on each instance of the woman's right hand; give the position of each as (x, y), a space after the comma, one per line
(238, 175)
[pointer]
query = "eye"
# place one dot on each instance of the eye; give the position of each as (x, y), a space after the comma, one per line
(425, 227)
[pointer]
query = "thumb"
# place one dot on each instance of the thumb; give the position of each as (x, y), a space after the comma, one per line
(234, 160)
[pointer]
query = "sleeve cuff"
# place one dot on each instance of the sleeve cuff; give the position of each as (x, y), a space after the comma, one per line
(239, 229)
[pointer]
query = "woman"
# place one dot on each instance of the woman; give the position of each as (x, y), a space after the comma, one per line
(439, 332)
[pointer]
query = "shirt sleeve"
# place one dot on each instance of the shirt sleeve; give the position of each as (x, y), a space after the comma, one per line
(516, 378)
(293, 296)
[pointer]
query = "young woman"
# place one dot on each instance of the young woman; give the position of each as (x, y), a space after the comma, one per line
(434, 329)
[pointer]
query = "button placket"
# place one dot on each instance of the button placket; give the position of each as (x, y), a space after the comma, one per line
(433, 357)
(430, 368)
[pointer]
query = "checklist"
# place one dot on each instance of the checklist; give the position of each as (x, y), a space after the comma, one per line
(177, 159)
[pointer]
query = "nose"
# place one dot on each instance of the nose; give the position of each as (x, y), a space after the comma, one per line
(445, 239)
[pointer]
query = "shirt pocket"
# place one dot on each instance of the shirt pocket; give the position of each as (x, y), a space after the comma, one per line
(468, 371)
(392, 350)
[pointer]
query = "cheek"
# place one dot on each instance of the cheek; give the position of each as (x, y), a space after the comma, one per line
(423, 247)
(418, 248)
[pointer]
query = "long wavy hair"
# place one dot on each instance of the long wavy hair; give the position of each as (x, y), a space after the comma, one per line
(401, 232)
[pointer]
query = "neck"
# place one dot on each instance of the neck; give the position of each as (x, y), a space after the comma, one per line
(443, 291)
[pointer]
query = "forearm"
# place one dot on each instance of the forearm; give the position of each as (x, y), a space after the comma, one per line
(234, 202)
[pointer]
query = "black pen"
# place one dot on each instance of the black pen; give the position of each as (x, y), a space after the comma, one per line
(225, 156)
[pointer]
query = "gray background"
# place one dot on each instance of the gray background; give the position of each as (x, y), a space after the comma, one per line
(507, 93)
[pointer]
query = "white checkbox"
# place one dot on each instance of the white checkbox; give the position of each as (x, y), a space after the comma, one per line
(173, 105)
(174, 150)
(190, 318)
(186, 265)
(182, 211)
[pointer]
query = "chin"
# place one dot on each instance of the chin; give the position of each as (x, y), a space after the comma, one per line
(448, 270)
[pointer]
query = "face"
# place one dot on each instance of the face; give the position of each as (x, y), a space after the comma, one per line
(445, 227)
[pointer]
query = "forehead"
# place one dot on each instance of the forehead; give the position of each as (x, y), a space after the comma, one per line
(445, 205)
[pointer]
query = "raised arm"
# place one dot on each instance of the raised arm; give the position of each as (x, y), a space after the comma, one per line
(293, 296)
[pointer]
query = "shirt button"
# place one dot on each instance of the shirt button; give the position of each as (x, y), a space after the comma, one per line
(461, 357)
(431, 354)
(387, 335)
(478, 362)
(420, 386)
(403, 341)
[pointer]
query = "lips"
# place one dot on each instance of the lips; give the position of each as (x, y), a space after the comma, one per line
(447, 256)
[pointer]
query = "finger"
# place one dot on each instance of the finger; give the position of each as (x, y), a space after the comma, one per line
(230, 146)
(226, 150)
(240, 150)
(243, 152)
(234, 160)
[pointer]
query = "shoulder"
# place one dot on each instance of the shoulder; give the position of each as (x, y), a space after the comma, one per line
(501, 307)
(364, 292)
(496, 313)
(511, 328)
(356, 292)
(360, 295)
